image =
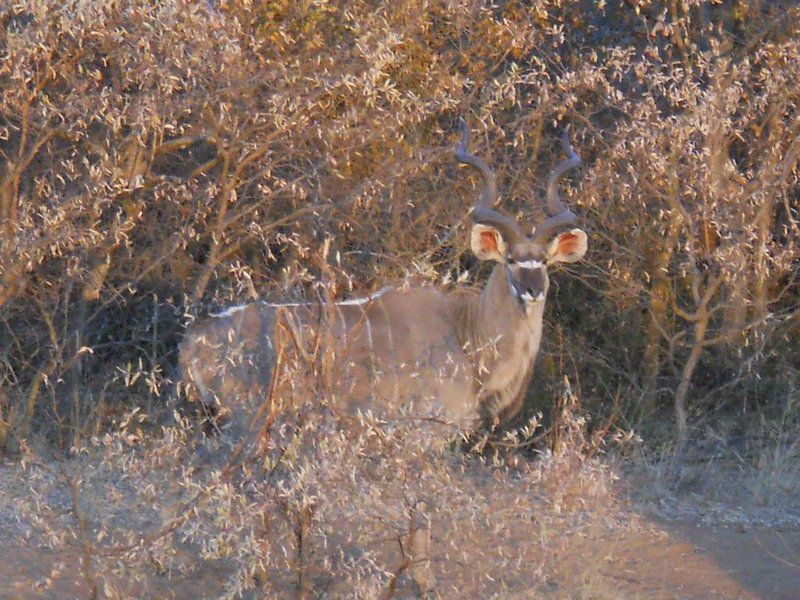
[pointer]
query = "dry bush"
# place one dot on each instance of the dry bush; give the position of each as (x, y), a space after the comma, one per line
(163, 158)
(324, 511)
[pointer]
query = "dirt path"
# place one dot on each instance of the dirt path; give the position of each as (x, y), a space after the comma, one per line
(36, 572)
(28, 570)
(760, 562)
(646, 559)
(685, 559)
(532, 539)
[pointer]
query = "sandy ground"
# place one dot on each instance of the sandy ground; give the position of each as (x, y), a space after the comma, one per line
(624, 551)
(686, 559)
(652, 559)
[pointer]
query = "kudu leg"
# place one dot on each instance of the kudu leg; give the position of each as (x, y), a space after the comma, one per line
(417, 549)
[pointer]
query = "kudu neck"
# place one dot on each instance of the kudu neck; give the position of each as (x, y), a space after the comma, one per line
(495, 315)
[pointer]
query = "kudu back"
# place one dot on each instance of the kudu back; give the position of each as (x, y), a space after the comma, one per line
(457, 357)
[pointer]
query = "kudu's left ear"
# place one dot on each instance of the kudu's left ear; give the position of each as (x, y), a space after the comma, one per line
(488, 243)
(567, 246)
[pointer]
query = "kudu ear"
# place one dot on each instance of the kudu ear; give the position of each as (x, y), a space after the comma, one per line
(567, 246)
(488, 243)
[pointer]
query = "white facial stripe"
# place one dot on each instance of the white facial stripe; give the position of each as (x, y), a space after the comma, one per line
(530, 264)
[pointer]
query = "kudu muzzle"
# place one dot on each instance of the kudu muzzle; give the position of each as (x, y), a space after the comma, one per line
(530, 282)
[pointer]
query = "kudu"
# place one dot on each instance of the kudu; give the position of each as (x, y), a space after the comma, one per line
(460, 357)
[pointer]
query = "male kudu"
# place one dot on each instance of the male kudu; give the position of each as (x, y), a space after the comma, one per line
(461, 356)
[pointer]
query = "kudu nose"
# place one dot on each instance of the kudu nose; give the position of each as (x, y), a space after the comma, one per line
(532, 294)
(532, 286)
(536, 293)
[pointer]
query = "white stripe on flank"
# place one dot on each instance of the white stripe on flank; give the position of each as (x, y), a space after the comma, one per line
(360, 301)
(343, 321)
(230, 311)
(198, 381)
(371, 346)
(393, 350)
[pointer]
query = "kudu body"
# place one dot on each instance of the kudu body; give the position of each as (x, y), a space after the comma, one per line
(459, 356)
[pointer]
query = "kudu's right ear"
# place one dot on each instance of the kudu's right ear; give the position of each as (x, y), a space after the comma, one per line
(488, 243)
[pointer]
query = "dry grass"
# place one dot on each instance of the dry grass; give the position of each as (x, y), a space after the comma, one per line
(144, 524)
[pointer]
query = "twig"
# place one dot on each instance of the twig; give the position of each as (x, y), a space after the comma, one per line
(87, 548)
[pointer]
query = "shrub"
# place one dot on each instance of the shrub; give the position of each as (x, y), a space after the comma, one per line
(163, 158)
